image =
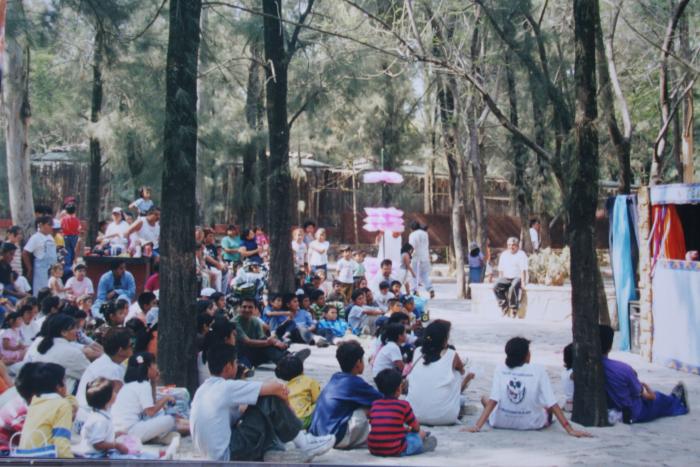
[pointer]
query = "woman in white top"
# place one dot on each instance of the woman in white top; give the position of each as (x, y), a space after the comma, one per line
(59, 346)
(437, 378)
(136, 411)
(116, 234)
(318, 251)
(521, 395)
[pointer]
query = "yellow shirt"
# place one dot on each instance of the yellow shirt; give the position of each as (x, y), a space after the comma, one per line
(60, 241)
(303, 393)
(52, 415)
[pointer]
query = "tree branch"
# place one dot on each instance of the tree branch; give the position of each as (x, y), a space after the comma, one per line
(294, 41)
(303, 107)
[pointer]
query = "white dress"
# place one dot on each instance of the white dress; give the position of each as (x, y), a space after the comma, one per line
(390, 248)
(434, 390)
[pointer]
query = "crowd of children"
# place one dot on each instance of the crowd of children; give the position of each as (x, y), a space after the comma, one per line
(88, 372)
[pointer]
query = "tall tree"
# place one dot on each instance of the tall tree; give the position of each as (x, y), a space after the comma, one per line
(177, 324)
(94, 193)
(255, 149)
(590, 406)
(15, 95)
(277, 57)
(519, 153)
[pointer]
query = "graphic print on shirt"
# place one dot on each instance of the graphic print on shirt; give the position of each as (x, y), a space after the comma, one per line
(516, 391)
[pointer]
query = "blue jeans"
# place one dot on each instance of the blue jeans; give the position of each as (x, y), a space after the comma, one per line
(662, 406)
(414, 445)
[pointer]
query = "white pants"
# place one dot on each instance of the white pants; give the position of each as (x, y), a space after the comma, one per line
(216, 275)
(357, 431)
(152, 428)
(422, 270)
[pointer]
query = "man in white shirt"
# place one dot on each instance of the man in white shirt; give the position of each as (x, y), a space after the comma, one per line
(40, 254)
(220, 431)
(535, 235)
(421, 257)
(513, 272)
(384, 275)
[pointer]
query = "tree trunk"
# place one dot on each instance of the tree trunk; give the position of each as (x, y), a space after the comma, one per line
(449, 127)
(15, 87)
(688, 143)
(590, 406)
(177, 325)
(519, 159)
(279, 177)
(253, 108)
(94, 194)
(203, 106)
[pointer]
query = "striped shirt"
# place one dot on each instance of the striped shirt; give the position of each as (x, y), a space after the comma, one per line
(389, 418)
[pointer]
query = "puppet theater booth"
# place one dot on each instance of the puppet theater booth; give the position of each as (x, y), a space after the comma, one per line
(673, 291)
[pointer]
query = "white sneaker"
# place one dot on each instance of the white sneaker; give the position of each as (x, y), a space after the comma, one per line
(312, 446)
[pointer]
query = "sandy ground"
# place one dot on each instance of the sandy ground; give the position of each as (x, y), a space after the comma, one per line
(671, 441)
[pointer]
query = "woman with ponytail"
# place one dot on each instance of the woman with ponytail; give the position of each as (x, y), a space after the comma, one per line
(437, 379)
(58, 346)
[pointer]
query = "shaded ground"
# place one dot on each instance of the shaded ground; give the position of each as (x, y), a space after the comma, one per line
(672, 441)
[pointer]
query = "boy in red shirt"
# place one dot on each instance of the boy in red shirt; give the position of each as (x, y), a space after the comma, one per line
(395, 430)
(70, 225)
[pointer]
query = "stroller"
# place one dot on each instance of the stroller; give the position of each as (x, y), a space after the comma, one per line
(250, 282)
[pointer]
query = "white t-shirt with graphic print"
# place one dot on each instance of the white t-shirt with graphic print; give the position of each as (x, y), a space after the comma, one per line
(523, 395)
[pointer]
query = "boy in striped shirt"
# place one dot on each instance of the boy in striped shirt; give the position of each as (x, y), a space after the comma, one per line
(395, 430)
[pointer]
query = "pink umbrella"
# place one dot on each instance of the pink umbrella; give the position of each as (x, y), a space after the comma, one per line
(382, 176)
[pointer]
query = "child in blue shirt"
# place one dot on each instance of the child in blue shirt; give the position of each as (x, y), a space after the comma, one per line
(331, 327)
(341, 407)
(273, 314)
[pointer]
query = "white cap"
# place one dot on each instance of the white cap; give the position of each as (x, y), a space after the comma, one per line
(116, 209)
(207, 292)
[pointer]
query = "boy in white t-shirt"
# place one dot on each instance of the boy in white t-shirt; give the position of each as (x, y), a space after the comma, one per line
(521, 395)
(220, 431)
(345, 270)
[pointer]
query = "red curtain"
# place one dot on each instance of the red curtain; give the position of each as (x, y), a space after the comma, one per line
(668, 240)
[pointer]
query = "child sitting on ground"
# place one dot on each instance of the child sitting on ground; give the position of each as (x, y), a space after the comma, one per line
(395, 430)
(222, 431)
(136, 411)
(330, 327)
(273, 313)
(389, 354)
(56, 281)
(97, 434)
(337, 294)
(79, 284)
(567, 378)
(362, 319)
(395, 288)
(303, 390)
(13, 349)
(341, 407)
(318, 304)
(521, 395)
(384, 296)
(50, 414)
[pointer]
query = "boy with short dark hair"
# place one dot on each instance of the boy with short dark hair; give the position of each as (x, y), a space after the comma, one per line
(303, 390)
(361, 318)
(340, 409)
(384, 296)
(395, 430)
(318, 303)
(337, 294)
(220, 431)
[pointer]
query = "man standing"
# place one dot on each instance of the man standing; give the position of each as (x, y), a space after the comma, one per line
(513, 276)
(535, 235)
(421, 257)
